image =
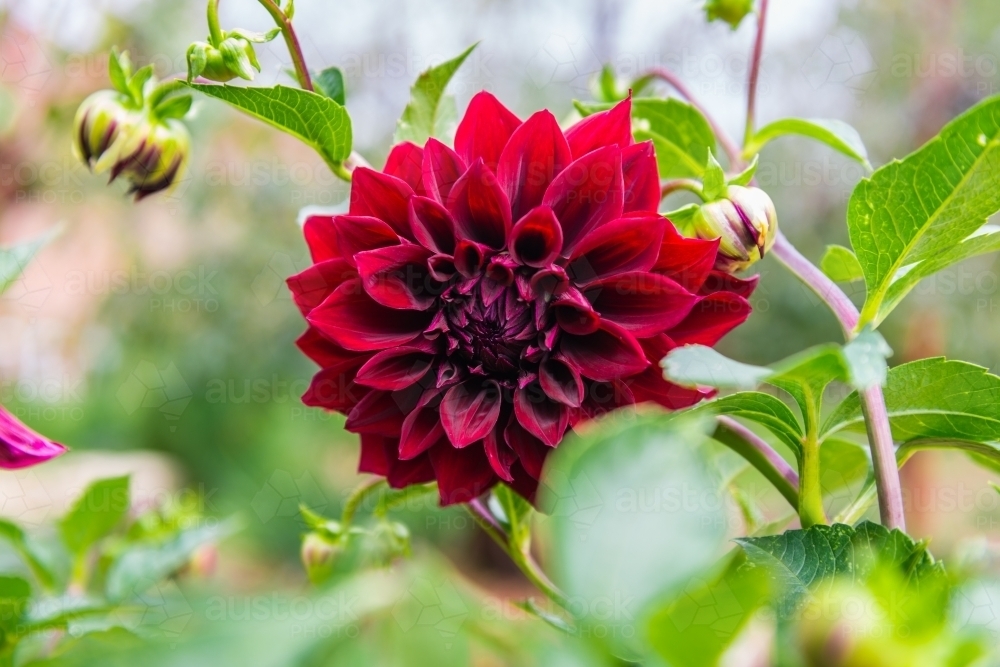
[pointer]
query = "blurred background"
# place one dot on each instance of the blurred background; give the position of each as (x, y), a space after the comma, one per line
(157, 338)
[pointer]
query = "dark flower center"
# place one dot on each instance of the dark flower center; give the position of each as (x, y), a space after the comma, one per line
(490, 326)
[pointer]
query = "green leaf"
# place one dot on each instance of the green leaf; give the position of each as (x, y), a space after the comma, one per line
(617, 514)
(683, 219)
(700, 365)
(25, 549)
(173, 107)
(933, 399)
(429, 111)
(841, 463)
(840, 264)
(144, 564)
(313, 118)
(14, 595)
(119, 71)
(696, 627)
(764, 409)
(680, 134)
(607, 85)
(95, 514)
(834, 133)
(516, 516)
(714, 179)
(330, 82)
(137, 84)
(14, 260)
(802, 560)
(730, 11)
(913, 210)
(744, 177)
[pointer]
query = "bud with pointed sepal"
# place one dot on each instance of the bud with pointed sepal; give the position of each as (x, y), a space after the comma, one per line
(233, 56)
(745, 223)
(101, 123)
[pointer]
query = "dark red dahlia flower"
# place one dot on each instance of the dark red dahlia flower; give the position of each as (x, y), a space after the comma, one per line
(476, 303)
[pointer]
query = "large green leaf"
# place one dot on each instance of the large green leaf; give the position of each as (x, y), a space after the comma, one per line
(622, 501)
(95, 514)
(915, 209)
(430, 112)
(800, 561)
(15, 259)
(680, 134)
(933, 399)
(841, 264)
(315, 119)
(834, 133)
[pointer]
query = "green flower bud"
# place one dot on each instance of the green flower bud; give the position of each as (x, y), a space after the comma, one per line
(319, 555)
(101, 122)
(152, 155)
(232, 57)
(745, 223)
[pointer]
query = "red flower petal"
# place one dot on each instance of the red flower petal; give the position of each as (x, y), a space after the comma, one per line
(543, 418)
(326, 353)
(626, 244)
(484, 130)
(607, 354)
(321, 237)
(712, 318)
(720, 281)
(21, 447)
(561, 382)
(405, 162)
(537, 238)
(642, 180)
(397, 277)
(381, 196)
(469, 258)
(530, 450)
(462, 474)
(643, 303)
(357, 233)
(500, 456)
(404, 473)
(432, 225)
(480, 207)
(469, 410)
(442, 167)
(687, 261)
(311, 287)
(422, 428)
(575, 314)
(379, 412)
(334, 388)
(524, 484)
(354, 320)
(396, 368)
(607, 128)
(536, 152)
(376, 454)
(649, 385)
(587, 194)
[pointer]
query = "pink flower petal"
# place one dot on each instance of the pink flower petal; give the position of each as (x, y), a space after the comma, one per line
(21, 447)
(381, 196)
(484, 130)
(405, 162)
(441, 168)
(607, 128)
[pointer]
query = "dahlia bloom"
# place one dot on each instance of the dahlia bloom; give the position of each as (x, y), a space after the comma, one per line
(474, 304)
(21, 447)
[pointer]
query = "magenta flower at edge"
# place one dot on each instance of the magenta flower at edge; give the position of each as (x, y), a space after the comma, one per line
(21, 447)
(476, 303)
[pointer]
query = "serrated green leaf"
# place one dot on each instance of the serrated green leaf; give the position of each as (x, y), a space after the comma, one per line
(714, 179)
(800, 561)
(933, 399)
(834, 133)
(330, 82)
(744, 177)
(14, 260)
(680, 134)
(914, 210)
(311, 117)
(17, 538)
(764, 409)
(841, 265)
(429, 112)
(95, 514)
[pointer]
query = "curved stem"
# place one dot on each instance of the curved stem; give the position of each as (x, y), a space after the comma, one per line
(291, 41)
(358, 496)
(678, 184)
(482, 516)
(214, 31)
(760, 455)
(732, 150)
(758, 52)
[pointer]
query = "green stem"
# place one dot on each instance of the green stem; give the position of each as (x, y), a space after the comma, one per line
(358, 496)
(214, 30)
(291, 41)
(679, 184)
(810, 492)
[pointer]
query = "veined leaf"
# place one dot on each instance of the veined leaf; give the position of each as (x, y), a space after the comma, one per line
(429, 111)
(764, 409)
(841, 265)
(95, 514)
(330, 82)
(681, 136)
(834, 133)
(933, 399)
(914, 210)
(313, 118)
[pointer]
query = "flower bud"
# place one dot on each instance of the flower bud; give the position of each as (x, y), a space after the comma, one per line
(745, 223)
(101, 120)
(152, 156)
(319, 555)
(232, 57)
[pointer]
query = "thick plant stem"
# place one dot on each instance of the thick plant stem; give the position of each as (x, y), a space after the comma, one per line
(872, 401)
(291, 41)
(678, 184)
(760, 455)
(214, 31)
(758, 53)
(811, 511)
(482, 516)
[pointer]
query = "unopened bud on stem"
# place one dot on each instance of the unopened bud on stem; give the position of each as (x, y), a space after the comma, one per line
(745, 223)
